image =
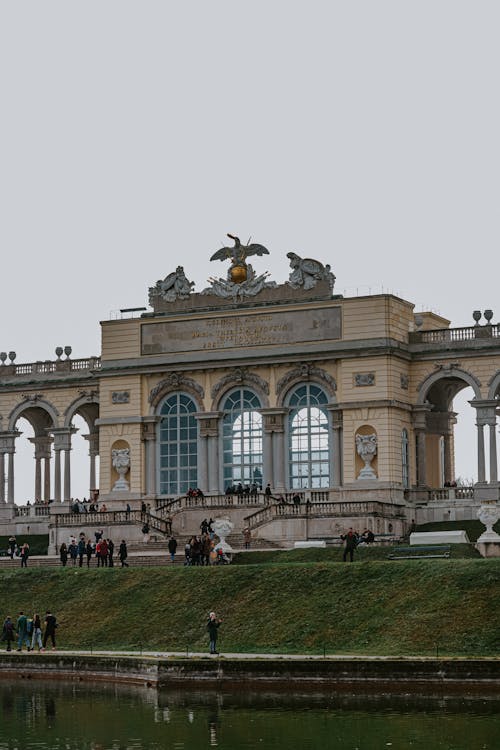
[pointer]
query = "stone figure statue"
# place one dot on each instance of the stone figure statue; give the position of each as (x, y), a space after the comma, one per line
(238, 272)
(366, 447)
(120, 458)
(306, 272)
(174, 286)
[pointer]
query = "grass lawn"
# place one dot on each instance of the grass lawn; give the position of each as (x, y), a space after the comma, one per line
(373, 606)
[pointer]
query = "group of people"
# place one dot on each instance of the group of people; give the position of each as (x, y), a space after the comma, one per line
(22, 551)
(28, 631)
(86, 506)
(84, 549)
(241, 489)
(195, 492)
(352, 539)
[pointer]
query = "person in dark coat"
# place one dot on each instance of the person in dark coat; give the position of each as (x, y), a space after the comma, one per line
(213, 625)
(123, 554)
(63, 554)
(8, 632)
(172, 547)
(88, 551)
(50, 629)
(351, 541)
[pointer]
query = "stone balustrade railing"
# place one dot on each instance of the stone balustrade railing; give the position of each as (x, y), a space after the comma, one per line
(49, 367)
(321, 509)
(455, 335)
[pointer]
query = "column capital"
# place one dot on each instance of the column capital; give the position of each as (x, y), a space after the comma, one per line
(209, 422)
(8, 440)
(419, 414)
(93, 440)
(42, 445)
(274, 419)
(486, 411)
(62, 437)
(149, 427)
(337, 415)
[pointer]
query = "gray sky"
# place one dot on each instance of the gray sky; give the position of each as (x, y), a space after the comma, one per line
(134, 135)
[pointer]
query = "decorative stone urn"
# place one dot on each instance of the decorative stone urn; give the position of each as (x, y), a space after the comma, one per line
(488, 514)
(366, 447)
(223, 527)
(121, 463)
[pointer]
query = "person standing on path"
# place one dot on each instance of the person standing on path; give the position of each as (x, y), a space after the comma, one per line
(22, 632)
(82, 549)
(12, 546)
(8, 632)
(123, 554)
(351, 541)
(50, 629)
(63, 554)
(213, 625)
(172, 547)
(25, 552)
(36, 638)
(88, 552)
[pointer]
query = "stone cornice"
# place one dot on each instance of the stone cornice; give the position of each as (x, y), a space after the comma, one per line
(175, 381)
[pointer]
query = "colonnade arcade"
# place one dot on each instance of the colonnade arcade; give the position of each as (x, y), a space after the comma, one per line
(434, 416)
(51, 442)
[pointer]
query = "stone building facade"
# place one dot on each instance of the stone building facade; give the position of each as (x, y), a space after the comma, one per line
(344, 401)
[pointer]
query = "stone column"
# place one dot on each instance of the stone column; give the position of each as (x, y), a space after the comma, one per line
(93, 441)
(2, 477)
(486, 415)
(42, 454)
(420, 427)
(57, 475)
(62, 442)
(274, 447)
(8, 446)
(336, 445)
(149, 439)
(209, 431)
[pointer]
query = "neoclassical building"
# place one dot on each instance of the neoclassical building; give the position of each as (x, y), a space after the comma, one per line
(346, 401)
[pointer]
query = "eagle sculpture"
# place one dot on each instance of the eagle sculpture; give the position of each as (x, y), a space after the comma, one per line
(239, 252)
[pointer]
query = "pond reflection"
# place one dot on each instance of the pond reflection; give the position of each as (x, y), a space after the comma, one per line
(42, 716)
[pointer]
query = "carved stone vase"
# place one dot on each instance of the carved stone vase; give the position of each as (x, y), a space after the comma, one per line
(366, 447)
(222, 528)
(488, 514)
(121, 463)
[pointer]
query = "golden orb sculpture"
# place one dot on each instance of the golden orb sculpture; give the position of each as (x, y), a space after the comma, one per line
(238, 274)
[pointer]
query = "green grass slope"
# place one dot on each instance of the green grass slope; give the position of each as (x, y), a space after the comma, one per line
(375, 607)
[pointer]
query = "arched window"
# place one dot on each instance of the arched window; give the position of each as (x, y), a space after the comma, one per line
(405, 459)
(178, 433)
(308, 440)
(242, 438)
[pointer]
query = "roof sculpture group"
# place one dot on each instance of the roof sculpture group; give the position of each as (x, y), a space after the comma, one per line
(241, 280)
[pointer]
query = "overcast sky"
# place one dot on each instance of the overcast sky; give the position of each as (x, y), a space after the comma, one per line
(134, 135)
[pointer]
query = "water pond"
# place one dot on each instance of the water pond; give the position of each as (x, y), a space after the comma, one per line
(78, 716)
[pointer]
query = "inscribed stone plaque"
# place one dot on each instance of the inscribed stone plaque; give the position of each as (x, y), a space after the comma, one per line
(262, 329)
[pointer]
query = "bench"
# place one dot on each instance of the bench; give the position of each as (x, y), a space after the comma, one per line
(421, 551)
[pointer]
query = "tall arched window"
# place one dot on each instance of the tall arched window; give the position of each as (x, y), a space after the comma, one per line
(178, 433)
(242, 438)
(405, 459)
(309, 462)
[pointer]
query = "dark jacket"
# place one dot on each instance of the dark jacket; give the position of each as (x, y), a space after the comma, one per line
(172, 546)
(212, 627)
(122, 551)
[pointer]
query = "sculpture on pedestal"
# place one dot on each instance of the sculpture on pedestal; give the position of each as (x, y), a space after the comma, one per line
(306, 272)
(223, 527)
(488, 514)
(174, 286)
(366, 446)
(241, 278)
(120, 458)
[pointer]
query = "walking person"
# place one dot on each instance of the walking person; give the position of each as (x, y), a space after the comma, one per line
(12, 546)
(73, 551)
(50, 629)
(88, 551)
(111, 551)
(25, 552)
(8, 632)
(123, 554)
(36, 637)
(22, 632)
(63, 554)
(82, 549)
(213, 625)
(172, 548)
(247, 537)
(351, 541)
